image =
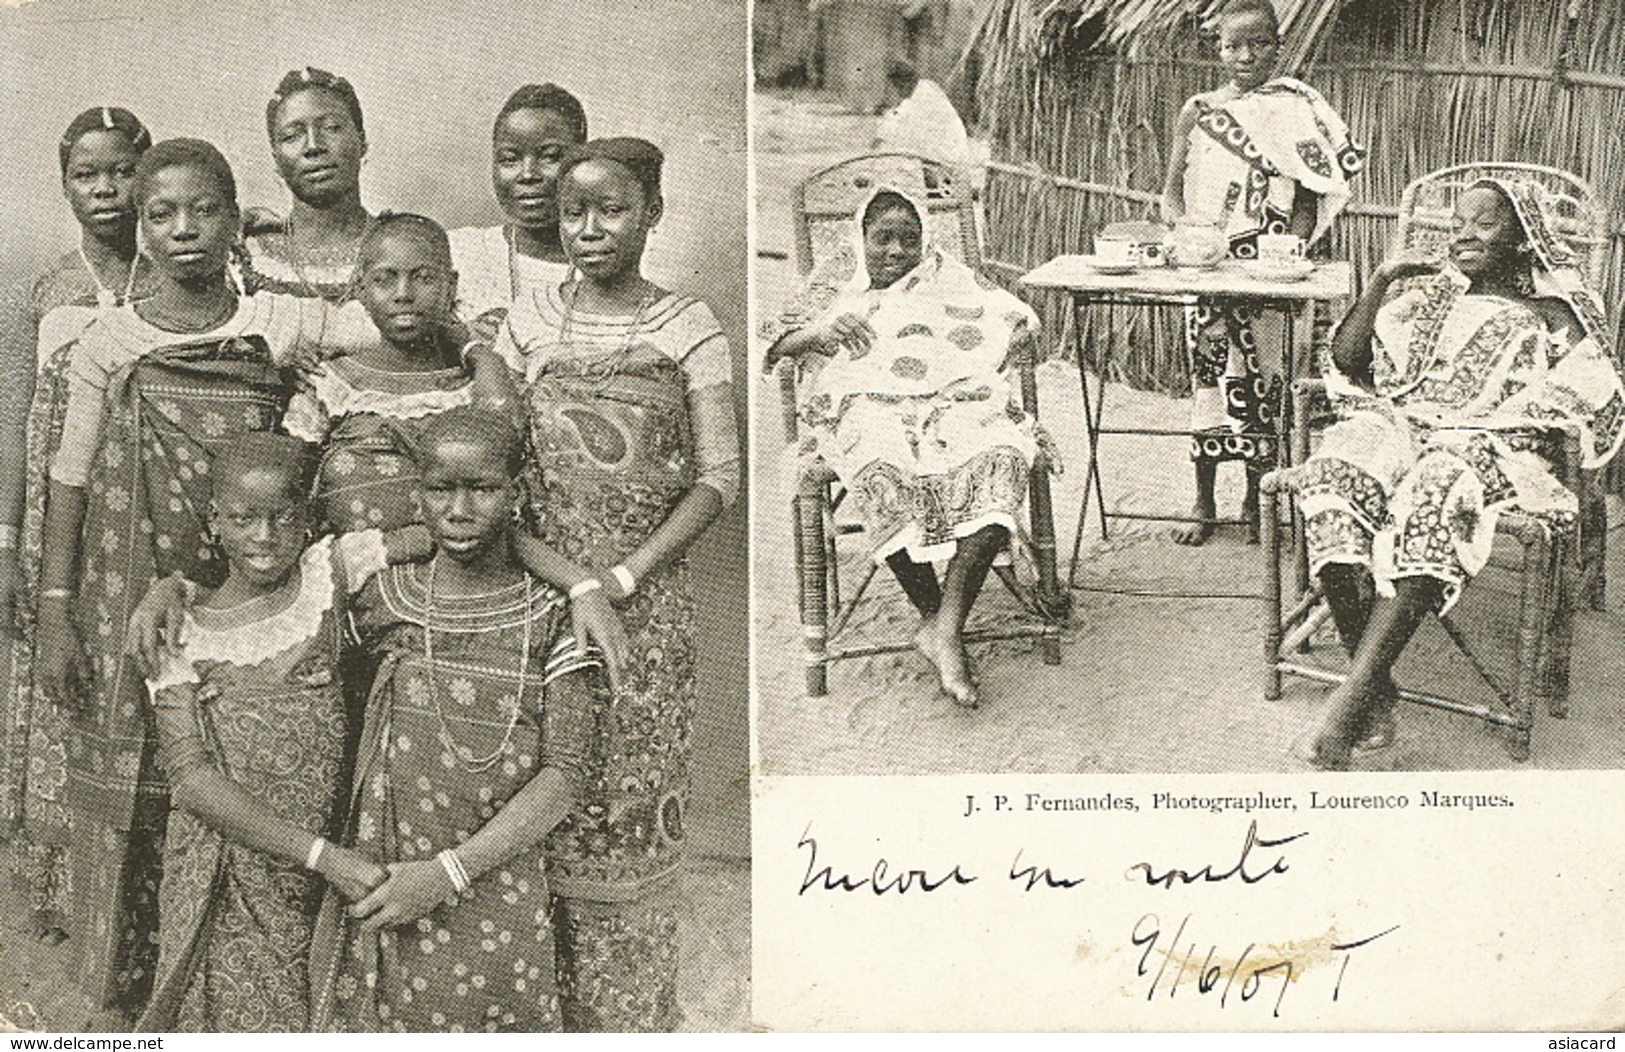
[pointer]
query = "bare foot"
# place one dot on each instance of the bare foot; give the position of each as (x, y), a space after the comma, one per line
(946, 652)
(1195, 534)
(1382, 724)
(1321, 753)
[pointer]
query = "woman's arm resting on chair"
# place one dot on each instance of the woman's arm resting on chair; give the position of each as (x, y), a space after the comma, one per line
(1351, 346)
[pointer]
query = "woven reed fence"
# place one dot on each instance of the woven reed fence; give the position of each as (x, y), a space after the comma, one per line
(1081, 137)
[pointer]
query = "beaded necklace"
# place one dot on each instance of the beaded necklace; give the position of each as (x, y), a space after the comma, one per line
(603, 368)
(471, 763)
(106, 297)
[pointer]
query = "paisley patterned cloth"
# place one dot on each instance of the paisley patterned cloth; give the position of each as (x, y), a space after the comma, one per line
(264, 697)
(625, 418)
(486, 960)
(1472, 394)
(1245, 159)
(368, 422)
(925, 425)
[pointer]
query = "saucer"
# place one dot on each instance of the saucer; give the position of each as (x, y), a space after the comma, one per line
(1096, 264)
(1279, 270)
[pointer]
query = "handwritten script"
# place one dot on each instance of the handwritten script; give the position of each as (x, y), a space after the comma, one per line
(1171, 963)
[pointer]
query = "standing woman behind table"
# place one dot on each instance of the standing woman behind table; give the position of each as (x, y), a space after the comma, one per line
(635, 452)
(154, 390)
(1259, 155)
(496, 265)
(98, 153)
(318, 141)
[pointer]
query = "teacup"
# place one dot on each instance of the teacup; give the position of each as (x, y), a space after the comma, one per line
(1116, 251)
(1280, 248)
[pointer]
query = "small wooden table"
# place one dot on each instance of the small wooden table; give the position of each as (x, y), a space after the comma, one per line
(1228, 282)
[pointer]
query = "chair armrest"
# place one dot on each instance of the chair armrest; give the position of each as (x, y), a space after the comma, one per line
(785, 370)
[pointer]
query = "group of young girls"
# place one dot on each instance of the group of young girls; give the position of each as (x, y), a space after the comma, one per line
(354, 666)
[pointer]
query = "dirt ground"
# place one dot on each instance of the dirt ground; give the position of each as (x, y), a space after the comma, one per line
(1145, 684)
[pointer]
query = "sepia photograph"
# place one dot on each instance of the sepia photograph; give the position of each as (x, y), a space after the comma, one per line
(1188, 386)
(372, 517)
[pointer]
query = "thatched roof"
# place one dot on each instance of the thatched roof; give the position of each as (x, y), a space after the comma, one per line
(1125, 26)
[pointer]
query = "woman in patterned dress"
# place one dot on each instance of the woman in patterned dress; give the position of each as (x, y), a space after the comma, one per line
(497, 264)
(251, 730)
(154, 390)
(1260, 155)
(634, 451)
(478, 734)
(318, 140)
(98, 153)
(1449, 395)
(908, 401)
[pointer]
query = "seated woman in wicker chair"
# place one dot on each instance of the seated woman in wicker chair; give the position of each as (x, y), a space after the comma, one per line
(909, 404)
(1449, 395)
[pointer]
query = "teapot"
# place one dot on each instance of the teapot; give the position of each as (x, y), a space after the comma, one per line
(1197, 243)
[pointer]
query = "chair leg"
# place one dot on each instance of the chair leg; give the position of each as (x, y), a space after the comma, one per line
(812, 569)
(1534, 618)
(1559, 638)
(1594, 553)
(1270, 542)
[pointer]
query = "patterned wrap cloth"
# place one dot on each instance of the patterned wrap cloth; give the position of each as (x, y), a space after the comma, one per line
(268, 712)
(924, 426)
(1471, 391)
(626, 416)
(369, 423)
(145, 412)
(40, 328)
(485, 961)
(1246, 157)
(146, 516)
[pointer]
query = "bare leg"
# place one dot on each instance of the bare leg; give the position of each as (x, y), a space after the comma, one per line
(1196, 533)
(919, 581)
(941, 636)
(1387, 632)
(1350, 593)
(1249, 503)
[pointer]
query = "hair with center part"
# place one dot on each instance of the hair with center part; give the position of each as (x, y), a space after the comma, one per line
(408, 224)
(477, 426)
(184, 153)
(312, 79)
(263, 451)
(103, 118)
(639, 156)
(548, 97)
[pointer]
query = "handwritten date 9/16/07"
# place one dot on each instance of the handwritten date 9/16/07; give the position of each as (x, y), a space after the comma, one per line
(1254, 967)
(1184, 964)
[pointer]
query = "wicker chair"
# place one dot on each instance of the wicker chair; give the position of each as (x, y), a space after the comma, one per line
(1557, 563)
(825, 213)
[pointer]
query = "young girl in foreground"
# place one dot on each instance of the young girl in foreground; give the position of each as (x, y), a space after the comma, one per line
(1260, 155)
(477, 737)
(250, 721)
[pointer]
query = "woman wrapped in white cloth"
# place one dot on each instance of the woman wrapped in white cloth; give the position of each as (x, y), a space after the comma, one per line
(909, 402)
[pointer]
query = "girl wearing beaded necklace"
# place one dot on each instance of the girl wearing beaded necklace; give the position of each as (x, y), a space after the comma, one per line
(38, 324)
(499, 264)
(474, 749)
(318, 141)
(631, 422)
(251, 733)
